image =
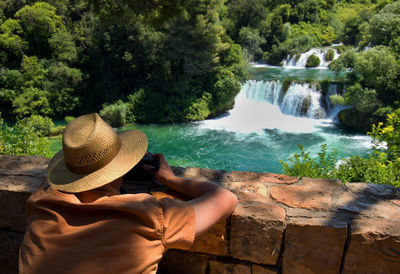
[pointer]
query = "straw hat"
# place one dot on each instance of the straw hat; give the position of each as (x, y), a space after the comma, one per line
(94, 154)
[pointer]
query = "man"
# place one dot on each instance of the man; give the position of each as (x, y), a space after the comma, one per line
(81, 223)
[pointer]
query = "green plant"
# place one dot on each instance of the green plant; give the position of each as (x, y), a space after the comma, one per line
(313, 61)
(330, 54)
(69, 119)
(303, 165)
(43, 125)
(57, 130)
(115, 114)
(286, 84)
(22, 139)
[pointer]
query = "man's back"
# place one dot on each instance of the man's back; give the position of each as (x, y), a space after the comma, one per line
(114, 234)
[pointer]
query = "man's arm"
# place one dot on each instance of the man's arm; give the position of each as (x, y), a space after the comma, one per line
(211, 202)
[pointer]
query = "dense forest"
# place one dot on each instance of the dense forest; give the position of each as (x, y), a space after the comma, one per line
(184, 60)
(177, 61)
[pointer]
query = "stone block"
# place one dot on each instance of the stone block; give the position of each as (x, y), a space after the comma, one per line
(216, 176)
(218, 267)
(10, 242)
(270, 178)
(256, 232)
(313, 194)
(176, 261)
(370, 200)
(23, 165)
(259, 269)
(374, 247)
(250, 192)
(311, 246)
(13, 210)
(214, 241)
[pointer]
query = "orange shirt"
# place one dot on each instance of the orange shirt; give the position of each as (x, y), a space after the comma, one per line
(115, 234)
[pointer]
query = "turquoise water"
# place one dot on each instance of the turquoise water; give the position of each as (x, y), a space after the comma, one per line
(253, 136)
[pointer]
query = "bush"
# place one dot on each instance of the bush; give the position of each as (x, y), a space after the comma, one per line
(43, 125)
(330, 54)
(313, 61)
(69, 119)
(22, 139)
(115, 114)
(302, 165)
(57, 130)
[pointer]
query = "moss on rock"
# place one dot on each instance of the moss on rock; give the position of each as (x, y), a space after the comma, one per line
(313, 61)
(330, 54)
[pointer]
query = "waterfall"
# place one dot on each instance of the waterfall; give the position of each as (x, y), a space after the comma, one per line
(300, 99)
(300, 61)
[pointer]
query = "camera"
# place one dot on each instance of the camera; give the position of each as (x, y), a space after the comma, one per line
(138, 173)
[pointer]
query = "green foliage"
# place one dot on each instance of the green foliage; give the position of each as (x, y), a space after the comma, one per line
(380, 167)
(43, 125)
(251, 41)
(39, 22)
(330, 54)
(388, 134)
(22, 139)
(286, 84)
(385, 25)
(115, 114)
(32, 101)
(68, 119)
(303, 165)
(313, 61)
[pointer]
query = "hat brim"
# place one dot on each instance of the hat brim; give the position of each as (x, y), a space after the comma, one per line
(133, 147)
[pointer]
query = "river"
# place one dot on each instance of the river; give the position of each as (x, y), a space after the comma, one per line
(263, 127)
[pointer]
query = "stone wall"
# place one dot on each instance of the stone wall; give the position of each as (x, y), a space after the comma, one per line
(282, 224)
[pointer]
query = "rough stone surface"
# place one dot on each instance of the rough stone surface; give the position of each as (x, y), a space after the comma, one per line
(374, 201)
(10, 242)
(22, 173)
(258, 269)
(250, 192)
(314, 194)
(374, 247)
(19, 177)
(216, 176)
(311, 246)
(214, 241)
(271, 178)
(256, 232)
(217, 267)
(175, 261)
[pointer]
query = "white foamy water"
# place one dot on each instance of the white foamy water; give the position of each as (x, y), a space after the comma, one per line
(262, 106)
(300, 61)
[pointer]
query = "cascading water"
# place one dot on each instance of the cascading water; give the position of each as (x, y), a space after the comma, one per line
(300, 61)
(300, 99)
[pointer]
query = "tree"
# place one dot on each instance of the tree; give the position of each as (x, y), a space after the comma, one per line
(385, 26)
(39, 23)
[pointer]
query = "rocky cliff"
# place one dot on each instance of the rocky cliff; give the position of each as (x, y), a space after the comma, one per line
(282, 224)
